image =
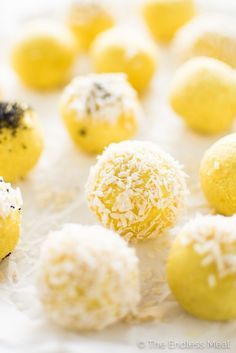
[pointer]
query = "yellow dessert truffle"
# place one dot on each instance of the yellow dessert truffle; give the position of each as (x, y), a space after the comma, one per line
(10, 218)
(136, 189)
(44, 54)
(201, 267)
(165, 17)
(208, 35)
(203, 93)
(218, 175)
(99, 109)
(119, 50)
(21, 140)
(88, 18)
(88, 277)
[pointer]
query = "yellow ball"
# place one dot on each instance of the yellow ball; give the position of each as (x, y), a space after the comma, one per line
(10, 218)
(21, 140)
(87, 19)
(203, 93)
(43, 55)
(117, 50)
(208, 35)
(136, 189)
(165, 17)
(218, 175)
(99, 109)
(201, 267)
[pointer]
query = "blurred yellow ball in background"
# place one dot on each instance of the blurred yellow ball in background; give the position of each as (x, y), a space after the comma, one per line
(43, 55)
(117, 50)
(165, 17)
(203, 94)
(87, 19)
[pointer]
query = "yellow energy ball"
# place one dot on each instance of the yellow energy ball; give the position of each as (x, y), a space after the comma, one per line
(203, 93)
(43, 55)
(88, 277)
(99, 109)
(88, 18)
(165, 17)
(21, 141)
(218, 175)
(117, 50)
(136, 189)
(10, 218)
(201, 267)
(208, 35)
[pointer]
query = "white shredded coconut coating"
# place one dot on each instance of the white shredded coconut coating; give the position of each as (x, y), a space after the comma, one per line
(136, 189)
(10, 199)
(217, 30)
(101, 97)
(88, 277)
(214, 239)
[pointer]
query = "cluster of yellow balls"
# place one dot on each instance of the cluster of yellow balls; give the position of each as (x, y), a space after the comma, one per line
(135, 189)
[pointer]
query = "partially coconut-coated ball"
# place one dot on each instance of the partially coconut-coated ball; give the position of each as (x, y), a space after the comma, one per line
(208, 35)
(218, 175)
(21, 141)
(118, 50)
(203, 94)
(165, 17)
(99, 109)
(136, 189)
(88, 277)
(88, 18)
(10, 218)
(201, 267)
(43, 55)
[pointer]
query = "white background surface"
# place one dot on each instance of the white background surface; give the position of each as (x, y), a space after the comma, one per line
(53, 195)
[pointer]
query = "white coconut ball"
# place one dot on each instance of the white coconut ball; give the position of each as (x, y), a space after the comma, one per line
(88, 277)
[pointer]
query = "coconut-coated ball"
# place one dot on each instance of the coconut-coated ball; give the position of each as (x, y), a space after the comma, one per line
(43, 55)
(218, 175)
(203, 93)
(207, 35)
(88, 277)
(10, 218)
(201, 267)
(88, 18)
(136, 189)
(164, 18)
(21, 141)
(119, 50)
(99, 109)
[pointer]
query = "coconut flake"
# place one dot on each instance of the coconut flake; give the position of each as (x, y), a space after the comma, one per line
(10, 199)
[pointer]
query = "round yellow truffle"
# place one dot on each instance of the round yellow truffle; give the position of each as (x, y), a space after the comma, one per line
(21, 140)
(117, 50)
(99, 109)
(201, 267)
(88, 277)
(208, 35)
(218, 175)
(10, 218)
(136, 189)
(87, 19)
(165, 17)
(203, 93)
(43, 55)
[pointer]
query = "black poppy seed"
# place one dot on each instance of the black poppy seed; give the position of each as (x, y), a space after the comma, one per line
(12, 206)
(19, 209)
(82, 132)
(11, 116)
(7, 190)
